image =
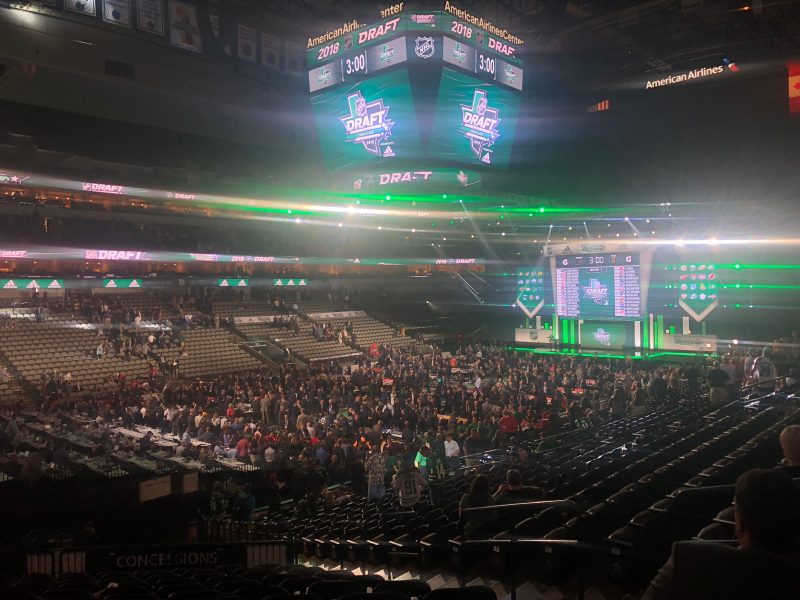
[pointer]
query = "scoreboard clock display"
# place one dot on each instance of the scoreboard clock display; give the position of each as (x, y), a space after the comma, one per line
(380, 46)
(468, 80)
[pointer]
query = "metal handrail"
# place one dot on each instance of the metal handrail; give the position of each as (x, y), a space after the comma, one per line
(759, 383)
(533, 503)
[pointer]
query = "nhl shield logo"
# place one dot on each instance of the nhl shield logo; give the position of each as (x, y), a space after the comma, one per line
(424, 47)
(361, 107)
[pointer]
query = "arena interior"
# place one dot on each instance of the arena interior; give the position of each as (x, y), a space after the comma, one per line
(347, 300)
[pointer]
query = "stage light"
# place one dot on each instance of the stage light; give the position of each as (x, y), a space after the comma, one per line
(504, 234)
(380, 227)
(341, 224)
(735, 342)
(627, 219)
(413, 231)
(297, 220)
(647, 221)
(388, 197)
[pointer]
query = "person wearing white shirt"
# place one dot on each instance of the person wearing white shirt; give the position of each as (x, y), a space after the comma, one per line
(451, 451)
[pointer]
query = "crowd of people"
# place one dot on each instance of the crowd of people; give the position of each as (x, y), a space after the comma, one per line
(431, 414)
(327, 332)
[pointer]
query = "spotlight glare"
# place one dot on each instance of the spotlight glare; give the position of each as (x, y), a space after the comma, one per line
(341, 224)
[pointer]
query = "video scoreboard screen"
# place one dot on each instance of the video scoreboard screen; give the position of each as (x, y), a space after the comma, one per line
(598, 286)
(415, 86)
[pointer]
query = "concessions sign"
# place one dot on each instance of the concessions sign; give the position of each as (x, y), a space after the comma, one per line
(164, 557)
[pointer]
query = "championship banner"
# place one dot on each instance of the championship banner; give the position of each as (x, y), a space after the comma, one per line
(183, 30)
(247, 43)
(117, 12)
(85, 7)
(794, 88)
(530, 291)
(697, 289)
(270, 51)
(150, 16)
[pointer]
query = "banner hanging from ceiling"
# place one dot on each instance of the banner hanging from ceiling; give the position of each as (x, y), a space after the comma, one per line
(84, 7)
(794, 88)
(117, 12)
(150, 16)
(183, 30)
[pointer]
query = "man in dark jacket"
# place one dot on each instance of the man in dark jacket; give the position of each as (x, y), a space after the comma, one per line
(766, 563)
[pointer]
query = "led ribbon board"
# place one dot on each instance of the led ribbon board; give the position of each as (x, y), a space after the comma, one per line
(30, 284)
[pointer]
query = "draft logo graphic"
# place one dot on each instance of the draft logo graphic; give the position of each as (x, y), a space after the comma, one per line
(325, 76)
(368, 124)
(459, 54)
(602, 336)
(479, 125)
(596, 292)
(424, 47)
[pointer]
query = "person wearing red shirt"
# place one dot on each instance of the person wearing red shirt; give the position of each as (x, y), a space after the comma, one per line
(509, 423)
(243, 450)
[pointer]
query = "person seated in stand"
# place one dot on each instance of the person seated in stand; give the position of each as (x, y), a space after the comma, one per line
(512, 491)
(765, 565)
(790, 444)
(476, 524)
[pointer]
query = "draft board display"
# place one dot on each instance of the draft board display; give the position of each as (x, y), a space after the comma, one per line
(598, 286)
(457, 93)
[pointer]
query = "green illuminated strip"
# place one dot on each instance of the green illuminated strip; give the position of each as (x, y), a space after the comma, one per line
(574, 353)
(758, 286)
(659, 330)
(738, 266)
(645, 334)
(600, 355)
